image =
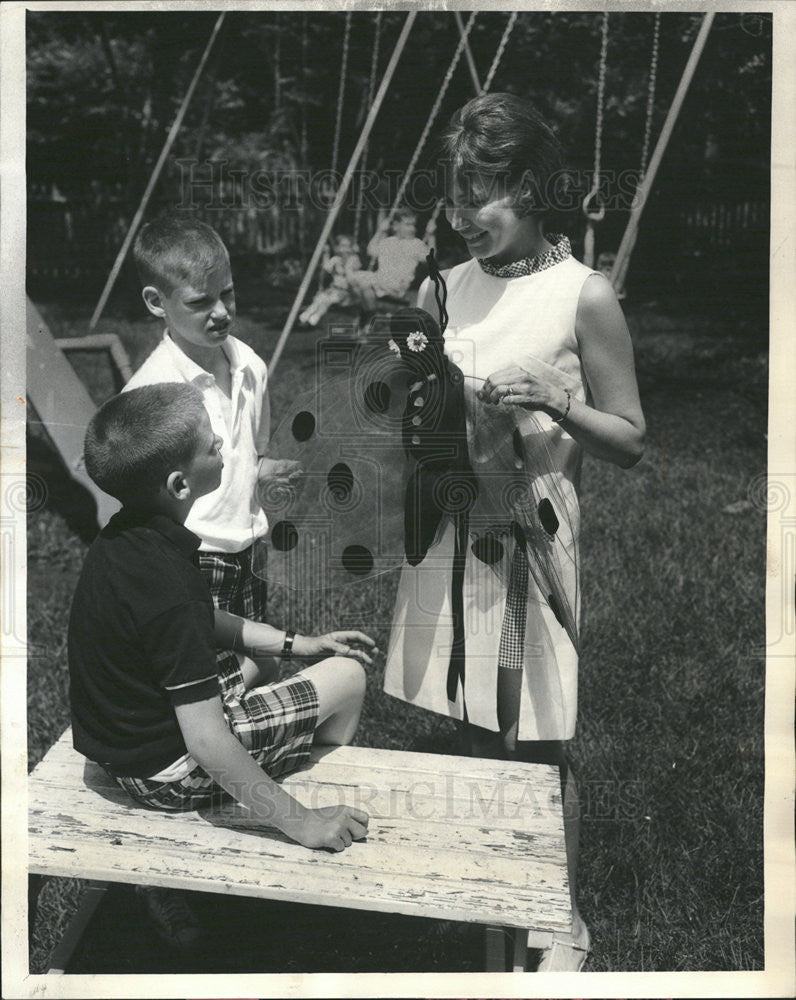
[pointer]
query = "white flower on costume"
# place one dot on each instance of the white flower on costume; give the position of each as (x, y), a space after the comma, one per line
(417, 341)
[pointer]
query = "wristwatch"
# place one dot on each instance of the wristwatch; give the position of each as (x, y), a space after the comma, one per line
(287, 646)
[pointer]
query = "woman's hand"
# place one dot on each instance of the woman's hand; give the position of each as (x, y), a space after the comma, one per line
(536, 386)
(351, 643)
(611, 426)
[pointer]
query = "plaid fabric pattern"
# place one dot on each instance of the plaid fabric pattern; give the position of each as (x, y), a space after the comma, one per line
(530, 265)
(511, 650)
(232, 583)
(276, 724)
(194, 791)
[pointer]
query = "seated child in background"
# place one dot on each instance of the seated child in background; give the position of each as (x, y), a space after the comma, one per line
(163, 693)
(398, 257)
(340, 266)
(187, 282)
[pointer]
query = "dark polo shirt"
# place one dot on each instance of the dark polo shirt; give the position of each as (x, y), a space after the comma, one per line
(140, 642)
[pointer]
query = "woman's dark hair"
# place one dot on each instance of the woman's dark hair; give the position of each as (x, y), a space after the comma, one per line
(499, 143)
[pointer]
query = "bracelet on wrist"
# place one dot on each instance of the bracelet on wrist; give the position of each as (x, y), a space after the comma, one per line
(287, 646)
(558, 420)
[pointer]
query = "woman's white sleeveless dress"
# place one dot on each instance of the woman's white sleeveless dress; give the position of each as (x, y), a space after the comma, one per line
(495, 322)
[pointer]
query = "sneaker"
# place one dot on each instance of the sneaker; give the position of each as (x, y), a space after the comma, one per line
(174, 920)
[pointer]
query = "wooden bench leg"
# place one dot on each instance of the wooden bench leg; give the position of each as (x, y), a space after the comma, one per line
(520, 950)
(65, 948)
(521, 940)
(495, 941)
(35, 885)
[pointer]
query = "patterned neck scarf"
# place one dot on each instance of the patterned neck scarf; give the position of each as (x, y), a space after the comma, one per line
(560, 250)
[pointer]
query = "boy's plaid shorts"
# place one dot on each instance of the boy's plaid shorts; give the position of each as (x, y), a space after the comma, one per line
(275, 723)
(232, 583)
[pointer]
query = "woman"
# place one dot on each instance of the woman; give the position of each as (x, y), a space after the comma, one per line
(548, 337)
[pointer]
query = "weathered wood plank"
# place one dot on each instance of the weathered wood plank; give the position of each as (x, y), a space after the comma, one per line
(442, 842)
(421, 851)
(535, 798)
(407, 766)
(520, 820)
(443, 900)
(316, 877)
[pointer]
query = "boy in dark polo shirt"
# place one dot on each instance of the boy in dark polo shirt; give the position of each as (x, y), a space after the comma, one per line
(163, 691)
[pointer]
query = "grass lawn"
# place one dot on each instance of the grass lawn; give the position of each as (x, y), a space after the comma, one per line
(669, 748)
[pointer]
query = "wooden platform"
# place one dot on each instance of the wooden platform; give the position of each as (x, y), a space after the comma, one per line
(451, 838)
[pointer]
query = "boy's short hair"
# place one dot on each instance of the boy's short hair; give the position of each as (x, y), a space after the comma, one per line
(137, 438)
(501, 139)
(175, 250)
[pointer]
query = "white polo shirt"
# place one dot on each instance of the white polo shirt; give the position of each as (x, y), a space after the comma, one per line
(229, 519)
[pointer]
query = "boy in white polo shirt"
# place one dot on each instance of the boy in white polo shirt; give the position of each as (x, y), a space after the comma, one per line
(187, 282)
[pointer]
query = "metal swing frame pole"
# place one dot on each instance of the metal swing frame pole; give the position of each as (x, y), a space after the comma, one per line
(170, 138)
(619, 270)
(489, 77)
(432, 114)
(342, 190)
(468, 52)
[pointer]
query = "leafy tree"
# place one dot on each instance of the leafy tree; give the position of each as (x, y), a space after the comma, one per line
(104, 87)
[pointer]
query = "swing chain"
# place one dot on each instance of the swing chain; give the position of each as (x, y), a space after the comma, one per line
(433, 114)
(341, 93)
(651, 94)
(499, 54)
(374, 66)
(598, 134)
(596, 215)
(338, 116)
(303, 131)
